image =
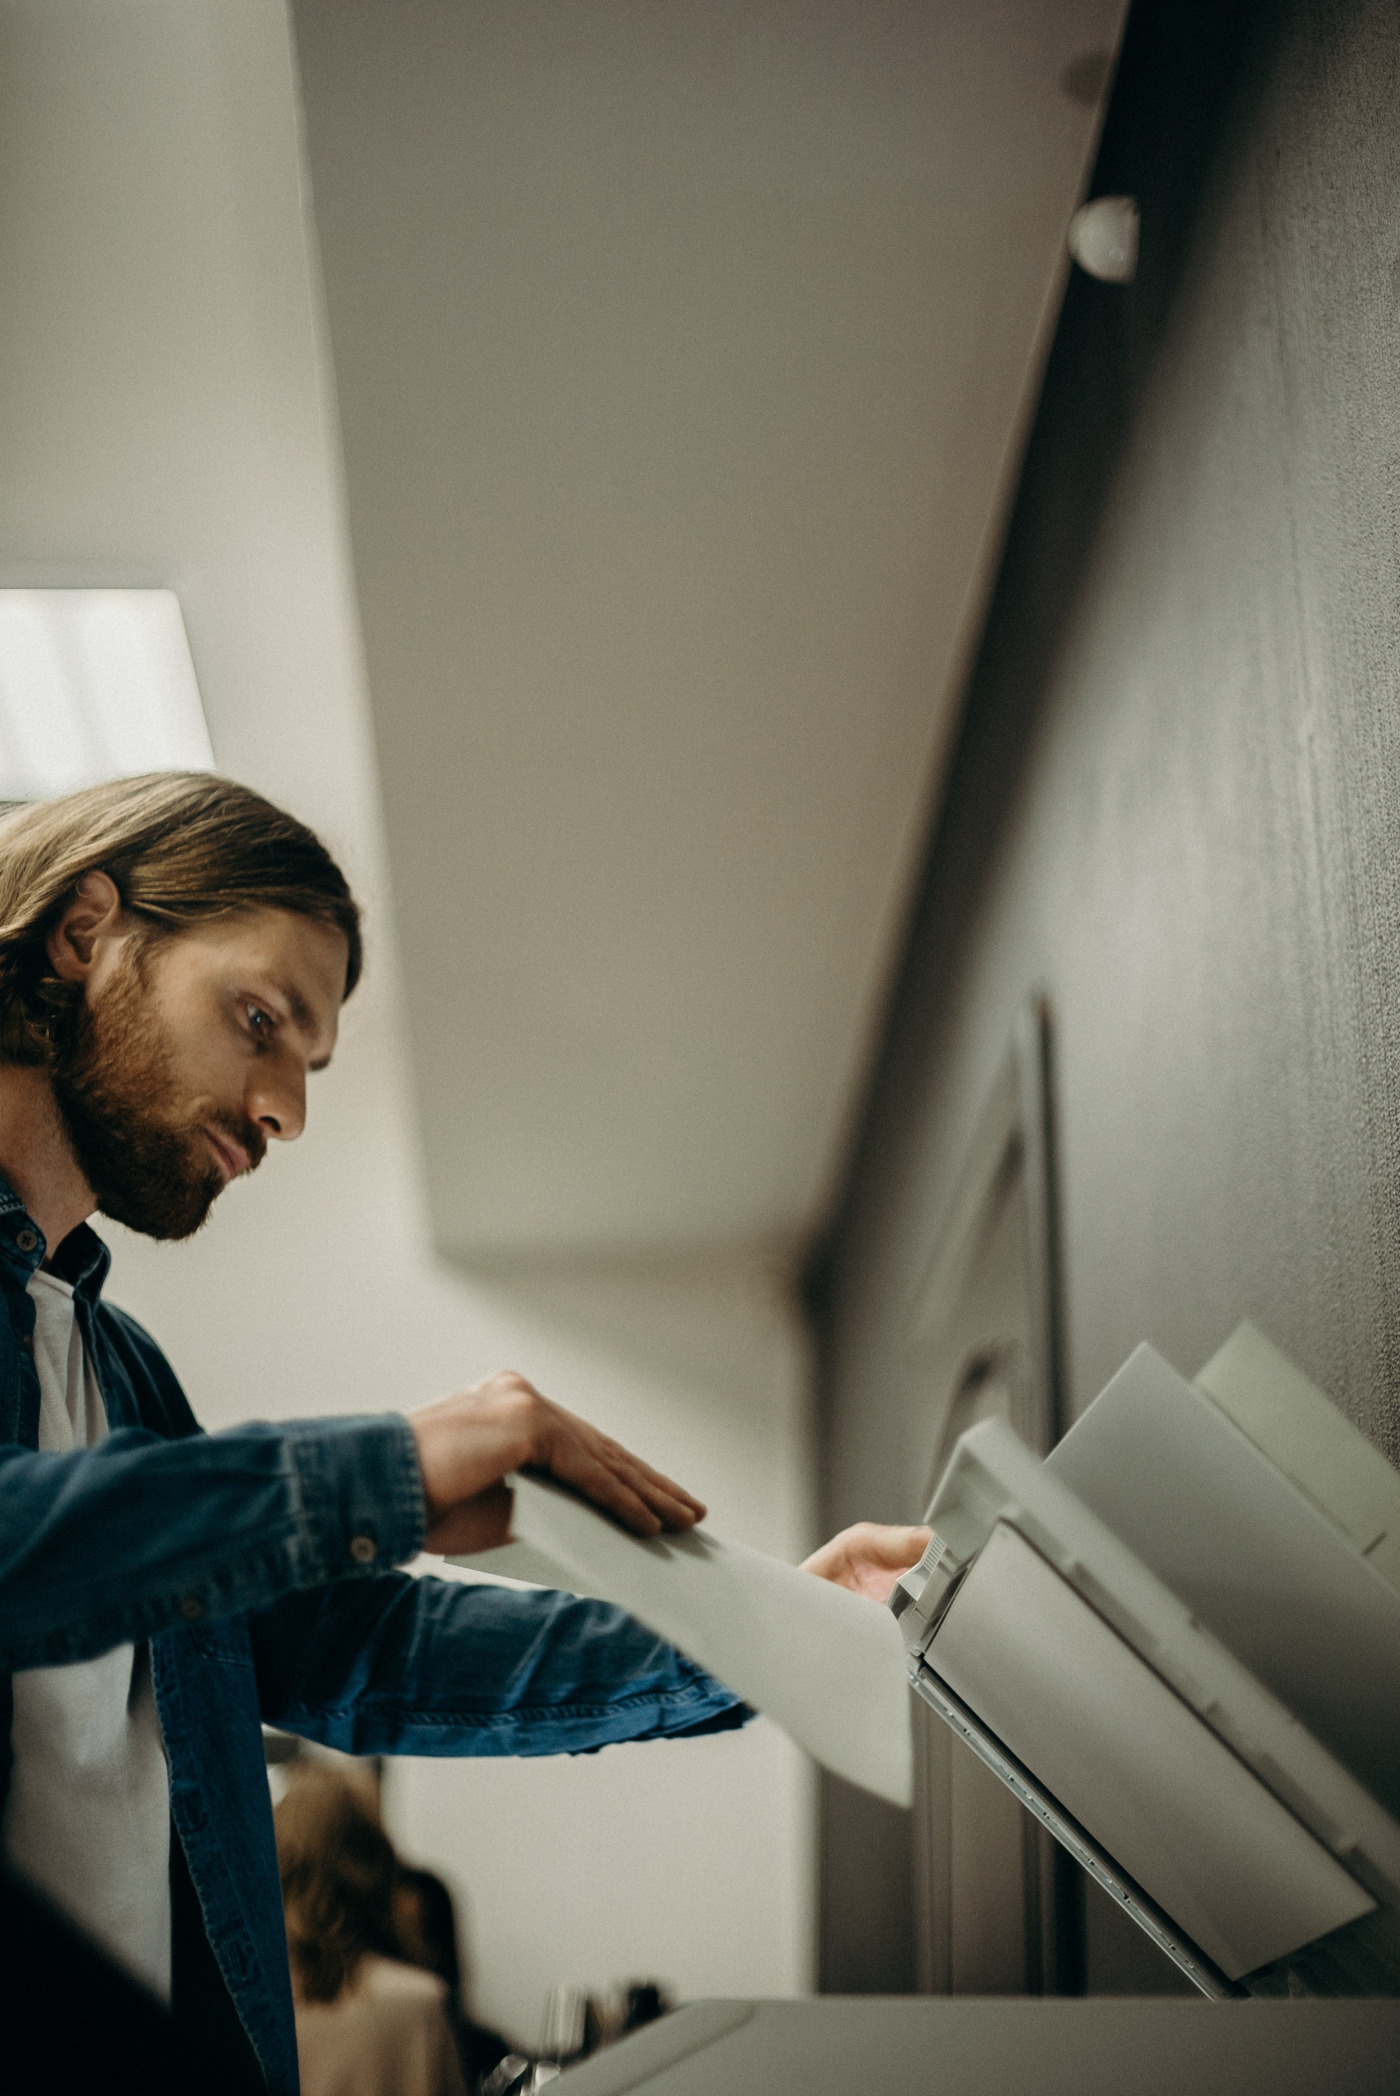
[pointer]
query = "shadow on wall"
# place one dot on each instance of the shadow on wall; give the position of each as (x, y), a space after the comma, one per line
(1182, 71)
(1029, 872)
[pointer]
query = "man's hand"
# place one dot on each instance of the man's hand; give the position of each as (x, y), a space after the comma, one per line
(468, 1443)
(868, 1559)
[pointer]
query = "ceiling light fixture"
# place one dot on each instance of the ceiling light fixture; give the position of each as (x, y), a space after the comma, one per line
(1103, 238)
(95, 684)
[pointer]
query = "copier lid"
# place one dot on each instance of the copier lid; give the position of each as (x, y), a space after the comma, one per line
(1118, 1701)
(1249, 1555)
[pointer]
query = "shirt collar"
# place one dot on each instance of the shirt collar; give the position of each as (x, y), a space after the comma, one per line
(23, 1249)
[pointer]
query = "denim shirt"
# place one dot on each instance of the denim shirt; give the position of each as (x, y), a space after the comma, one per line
(257, 1562)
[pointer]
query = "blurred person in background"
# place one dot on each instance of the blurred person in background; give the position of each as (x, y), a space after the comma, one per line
(368, 2021)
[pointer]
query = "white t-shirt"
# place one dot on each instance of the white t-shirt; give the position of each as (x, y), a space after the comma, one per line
(87, 1819)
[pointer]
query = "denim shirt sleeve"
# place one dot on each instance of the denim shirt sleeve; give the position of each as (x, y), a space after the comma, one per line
(398, 1665)
(122, 1540)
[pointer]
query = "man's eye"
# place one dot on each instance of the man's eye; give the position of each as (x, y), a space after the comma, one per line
(262, 1023)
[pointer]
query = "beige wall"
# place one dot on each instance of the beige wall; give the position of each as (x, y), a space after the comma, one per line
(165, 418)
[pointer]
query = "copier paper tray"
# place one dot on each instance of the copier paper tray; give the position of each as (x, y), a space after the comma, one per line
(1141, 1637)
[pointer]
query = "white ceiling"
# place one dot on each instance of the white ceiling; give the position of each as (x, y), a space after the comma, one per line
(682, 352)
(163, 420)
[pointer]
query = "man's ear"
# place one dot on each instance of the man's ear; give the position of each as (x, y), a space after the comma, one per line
(94, 914)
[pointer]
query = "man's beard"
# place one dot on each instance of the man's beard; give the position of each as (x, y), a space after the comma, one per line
(146, 1163)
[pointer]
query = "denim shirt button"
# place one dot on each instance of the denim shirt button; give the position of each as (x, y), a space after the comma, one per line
(26, 1239)
(191, 1607)
(364, 1550)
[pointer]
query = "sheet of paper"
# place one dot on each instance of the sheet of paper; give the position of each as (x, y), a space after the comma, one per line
(826, 1664)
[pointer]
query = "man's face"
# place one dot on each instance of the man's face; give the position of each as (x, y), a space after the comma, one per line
(188, 1057)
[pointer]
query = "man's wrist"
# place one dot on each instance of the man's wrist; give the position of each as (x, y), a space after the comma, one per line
(361, 1491)
(468, 1442)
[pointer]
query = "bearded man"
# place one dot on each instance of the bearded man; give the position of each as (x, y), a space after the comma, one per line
(174, 953)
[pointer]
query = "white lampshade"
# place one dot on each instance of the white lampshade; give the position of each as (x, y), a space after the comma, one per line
(94, 684)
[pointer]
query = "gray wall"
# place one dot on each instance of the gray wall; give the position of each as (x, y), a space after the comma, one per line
(1175, 802)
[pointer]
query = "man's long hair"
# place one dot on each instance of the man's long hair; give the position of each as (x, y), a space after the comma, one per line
(180, 848)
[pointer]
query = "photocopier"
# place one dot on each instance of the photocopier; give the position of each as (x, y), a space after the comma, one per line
(1177, 1640)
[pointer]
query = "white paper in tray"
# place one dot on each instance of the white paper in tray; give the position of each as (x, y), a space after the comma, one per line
(826, 1664)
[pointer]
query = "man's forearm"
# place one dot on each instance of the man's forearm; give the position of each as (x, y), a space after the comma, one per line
(430, 1666)
(125, 1539)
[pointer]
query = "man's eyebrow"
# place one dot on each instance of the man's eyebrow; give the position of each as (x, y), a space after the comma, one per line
(302, 1016)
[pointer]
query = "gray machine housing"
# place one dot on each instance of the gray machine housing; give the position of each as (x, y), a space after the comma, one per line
(991, 2047)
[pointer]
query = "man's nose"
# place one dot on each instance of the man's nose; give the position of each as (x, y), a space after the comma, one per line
(278, 1105)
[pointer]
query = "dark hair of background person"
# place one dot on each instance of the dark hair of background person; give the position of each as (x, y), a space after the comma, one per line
(645, 2001)
(425, 1922)
(338, 1875)
(426, 1926)
(181, 848)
